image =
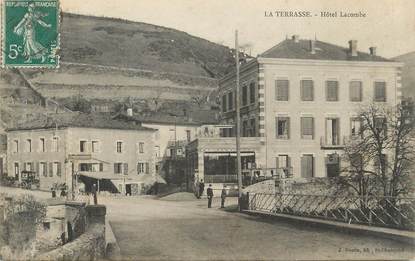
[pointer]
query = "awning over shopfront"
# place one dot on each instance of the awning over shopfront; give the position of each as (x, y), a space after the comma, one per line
(102, 175)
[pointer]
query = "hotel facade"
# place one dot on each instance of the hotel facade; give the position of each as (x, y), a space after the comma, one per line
(301, 100)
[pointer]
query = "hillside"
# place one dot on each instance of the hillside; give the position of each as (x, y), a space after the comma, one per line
(107, 58)
(408, 74)
(116, 42)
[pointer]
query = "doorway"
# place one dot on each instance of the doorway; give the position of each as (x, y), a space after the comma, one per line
(128, 189)
(332, 131)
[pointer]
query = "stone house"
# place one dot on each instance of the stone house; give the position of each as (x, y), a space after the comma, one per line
(300, 99)
(92, 148)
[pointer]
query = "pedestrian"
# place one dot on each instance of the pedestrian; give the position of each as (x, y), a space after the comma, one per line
(53, 192)
(209, 193)
(223, 197)
(201, 188)
(94, 193)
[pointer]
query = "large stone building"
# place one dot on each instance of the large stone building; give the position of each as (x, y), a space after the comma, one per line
(300, 100)
(61, 148)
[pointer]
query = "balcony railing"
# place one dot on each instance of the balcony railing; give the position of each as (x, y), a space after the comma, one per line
(332, 143)
(391, 212)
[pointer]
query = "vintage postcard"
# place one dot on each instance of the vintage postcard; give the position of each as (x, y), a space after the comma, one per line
(207, 130)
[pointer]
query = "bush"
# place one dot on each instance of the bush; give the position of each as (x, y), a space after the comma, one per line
(23, 215)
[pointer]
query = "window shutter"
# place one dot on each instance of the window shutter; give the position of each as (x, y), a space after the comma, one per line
(115, 168)
(303, 167)
(332, 90)
(59, 169)
(289, 162)
(281, 90)
(37, 169)
(307, 166)
(50, 169)
(101, 167)
(147, 168)
(276, 127)
(45, 171)
(277, 162)
(125, 168)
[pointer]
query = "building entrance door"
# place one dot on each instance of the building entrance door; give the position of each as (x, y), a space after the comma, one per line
(128, 189)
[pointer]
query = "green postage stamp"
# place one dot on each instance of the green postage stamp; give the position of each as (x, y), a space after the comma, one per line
(30, 33)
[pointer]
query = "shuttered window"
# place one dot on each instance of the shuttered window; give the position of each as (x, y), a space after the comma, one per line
(125, 169)
(281, 90)
(224, 108)
(43, 169)
(117, 168)
(282, 127)
(147, 168)
(307, 90)
(307, 166)
(140, 167)
(57, 169)
(50, 169)
(253, 128)
(307, 128)
(355, 90)
(244, 95)
(230, 101)
(101, 167)
(245, 128)
(380, 92)
(252, 92)
(332, 90)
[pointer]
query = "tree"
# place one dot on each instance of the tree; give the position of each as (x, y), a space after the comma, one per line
(380, 157)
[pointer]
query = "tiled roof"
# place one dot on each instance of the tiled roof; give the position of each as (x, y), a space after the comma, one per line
(76, 119)
(192, 118)
(289, 49)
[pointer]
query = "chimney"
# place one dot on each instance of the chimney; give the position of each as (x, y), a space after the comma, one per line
(353, 47)
(372, 50)
(296, 38)
(312, 45)
(130, 112)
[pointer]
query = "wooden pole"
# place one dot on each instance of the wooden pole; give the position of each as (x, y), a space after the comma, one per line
(238, 124)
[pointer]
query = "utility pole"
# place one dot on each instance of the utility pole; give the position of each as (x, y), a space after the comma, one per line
(238, 124)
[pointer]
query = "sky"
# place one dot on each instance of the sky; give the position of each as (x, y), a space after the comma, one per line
(389, 24)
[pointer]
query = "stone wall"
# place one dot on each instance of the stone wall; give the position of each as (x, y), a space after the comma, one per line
(315, 186)
(267, 187)
(90, 245)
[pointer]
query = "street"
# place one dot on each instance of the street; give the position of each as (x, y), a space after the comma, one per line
(148, 228)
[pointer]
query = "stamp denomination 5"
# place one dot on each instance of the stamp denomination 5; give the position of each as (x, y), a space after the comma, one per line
(30, 33)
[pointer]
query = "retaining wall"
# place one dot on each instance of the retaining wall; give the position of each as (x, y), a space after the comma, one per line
(88, 246)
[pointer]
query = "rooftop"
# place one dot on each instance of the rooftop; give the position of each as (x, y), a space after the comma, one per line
(77, 119)
(191, 118)
(300, 49)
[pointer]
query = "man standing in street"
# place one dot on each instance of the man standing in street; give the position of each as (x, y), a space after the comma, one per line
(223, 197)
(94, 194)
(209, 193)
(201, 188)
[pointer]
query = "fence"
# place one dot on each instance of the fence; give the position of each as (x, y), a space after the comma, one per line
(376, 211)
